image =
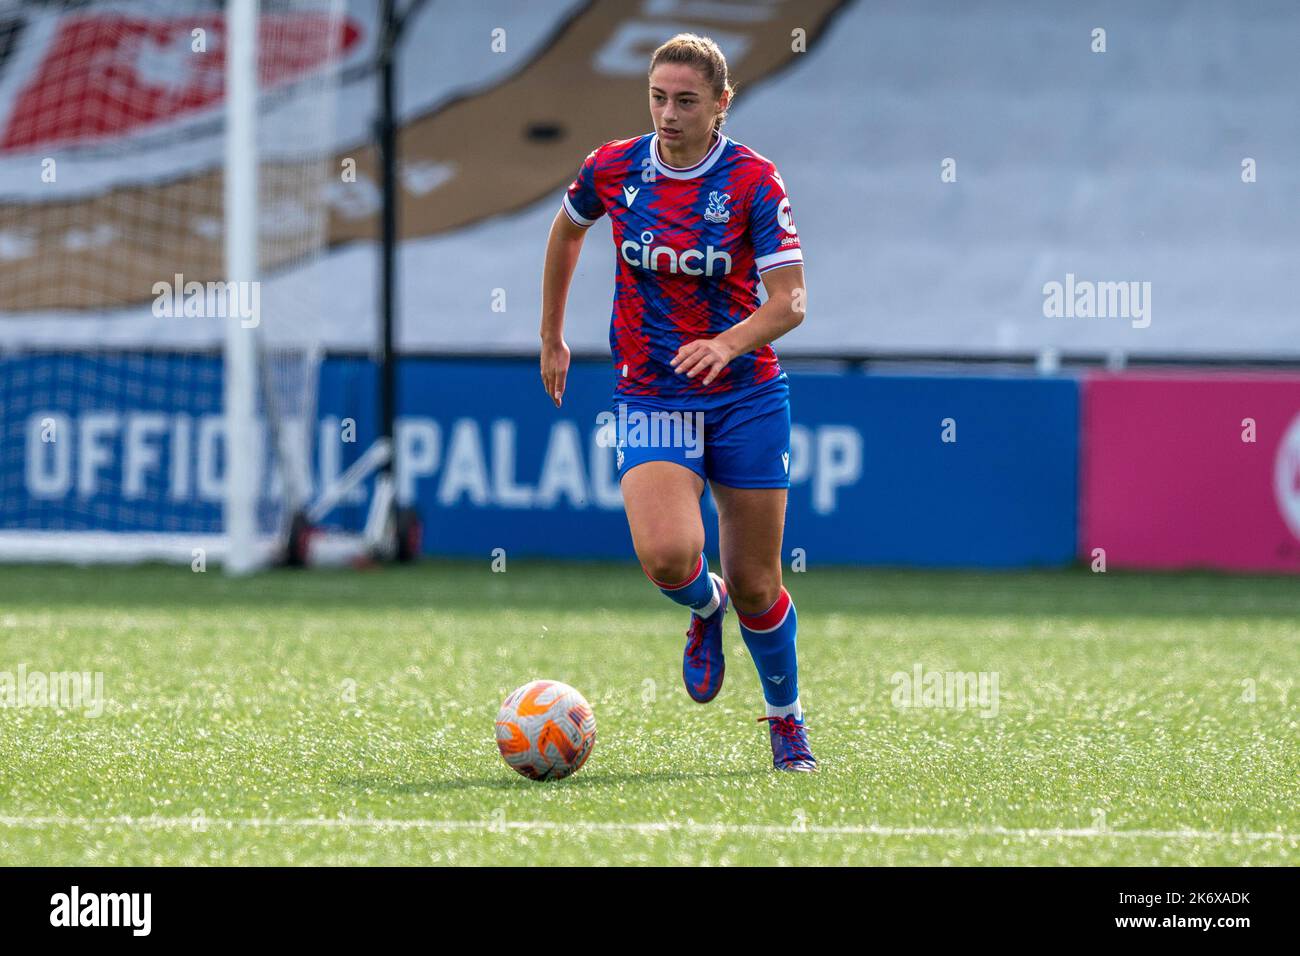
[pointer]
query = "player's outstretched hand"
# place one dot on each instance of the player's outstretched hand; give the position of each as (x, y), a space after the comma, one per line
(707, 357)
(555, 369)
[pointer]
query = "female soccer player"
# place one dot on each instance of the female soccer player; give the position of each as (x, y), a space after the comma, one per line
(697, 219)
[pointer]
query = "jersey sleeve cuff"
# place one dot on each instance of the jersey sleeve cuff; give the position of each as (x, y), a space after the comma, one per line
(786, 257)
(578, 218)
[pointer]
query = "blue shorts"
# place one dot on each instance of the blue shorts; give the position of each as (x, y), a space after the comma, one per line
(742, 444)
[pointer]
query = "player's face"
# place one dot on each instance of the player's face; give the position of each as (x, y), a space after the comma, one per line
(682, 106)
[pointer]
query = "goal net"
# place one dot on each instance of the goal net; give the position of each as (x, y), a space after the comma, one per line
(163, 225)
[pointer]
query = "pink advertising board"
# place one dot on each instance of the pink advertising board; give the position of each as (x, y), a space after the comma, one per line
(1170, 478)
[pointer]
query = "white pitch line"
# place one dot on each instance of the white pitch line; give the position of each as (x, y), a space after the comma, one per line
(688, 826)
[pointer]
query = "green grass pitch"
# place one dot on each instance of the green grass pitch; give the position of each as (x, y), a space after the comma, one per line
(346, 718)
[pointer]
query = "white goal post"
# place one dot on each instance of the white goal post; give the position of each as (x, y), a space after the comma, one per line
(241, 267)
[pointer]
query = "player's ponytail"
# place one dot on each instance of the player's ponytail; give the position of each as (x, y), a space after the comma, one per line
(702, 54)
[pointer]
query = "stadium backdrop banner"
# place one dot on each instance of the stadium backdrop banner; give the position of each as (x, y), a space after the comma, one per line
(1192, 470)
(903, 470)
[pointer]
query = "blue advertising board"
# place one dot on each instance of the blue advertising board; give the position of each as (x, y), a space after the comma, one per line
(885, 469)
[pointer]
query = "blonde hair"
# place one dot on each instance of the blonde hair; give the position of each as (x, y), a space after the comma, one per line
(702, 54)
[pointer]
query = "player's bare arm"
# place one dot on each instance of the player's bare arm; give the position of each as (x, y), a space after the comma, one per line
(562, 250)
(782, 312)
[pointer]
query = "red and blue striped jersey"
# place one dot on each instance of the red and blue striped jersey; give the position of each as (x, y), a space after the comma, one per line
(691, 244)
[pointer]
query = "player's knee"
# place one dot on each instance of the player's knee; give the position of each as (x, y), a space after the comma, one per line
(754, 592)
(669, 565)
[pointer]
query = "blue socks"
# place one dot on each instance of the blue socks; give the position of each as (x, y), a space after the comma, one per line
(770, 637)
(697, 592)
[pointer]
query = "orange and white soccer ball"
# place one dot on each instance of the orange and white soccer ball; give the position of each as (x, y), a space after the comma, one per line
(546, 730)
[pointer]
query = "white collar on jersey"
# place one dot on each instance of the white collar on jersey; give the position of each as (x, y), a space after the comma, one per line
(688, 172)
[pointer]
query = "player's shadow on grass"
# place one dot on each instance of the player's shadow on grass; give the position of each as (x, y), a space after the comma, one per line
(513, 782)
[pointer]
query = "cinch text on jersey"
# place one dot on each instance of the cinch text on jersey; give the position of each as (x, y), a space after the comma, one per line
(652, 257)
